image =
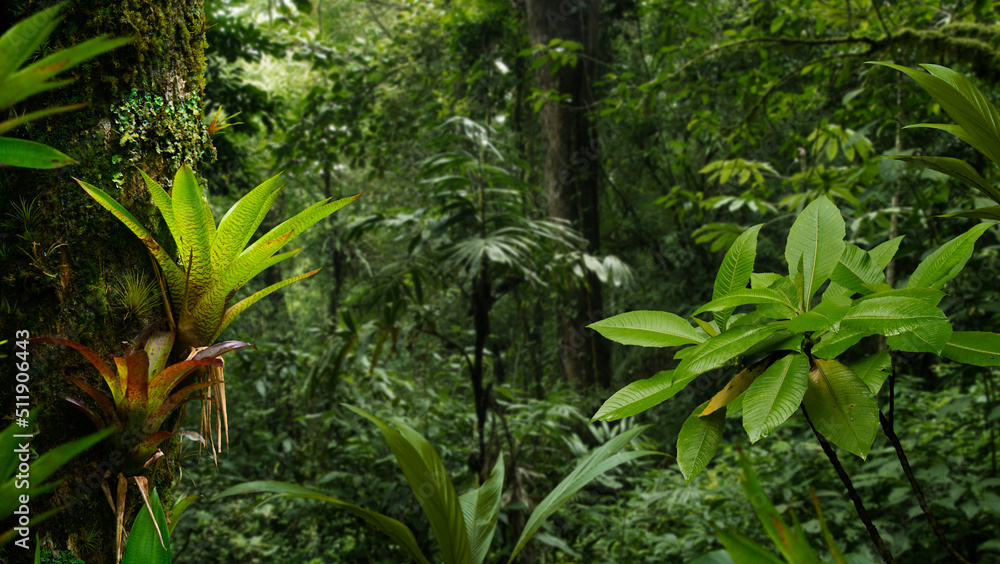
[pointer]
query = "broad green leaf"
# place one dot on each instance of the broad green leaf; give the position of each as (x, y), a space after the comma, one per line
(825, 315)
(171, 272)
(29, 154)
(599, 461)
(698, 440)
(243, 304)
(841, 406)
(647, 329)
(760, 280)
(775, 395)
(790, 542)
(931, 337)
(873, 370)
(956, 168)
(144, 545)
(390, 527)
(947, 261)
(196, 228)
(719, 350)
(884, 252)
(640, 396)
(780, 340)
(734, 388)
(855, 269)
(931, 297)
(744, 549)
(481, 507)
(890, 315)
(832, 345)
(977, 348)
(238, 225)
(422, 467)
(816, 239)
(747, 296)
(734, 274)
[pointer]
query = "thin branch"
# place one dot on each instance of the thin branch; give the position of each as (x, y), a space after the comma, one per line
(859, 505)
(889, 432)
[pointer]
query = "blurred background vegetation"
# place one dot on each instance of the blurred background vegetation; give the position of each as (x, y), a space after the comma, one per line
(450, 291)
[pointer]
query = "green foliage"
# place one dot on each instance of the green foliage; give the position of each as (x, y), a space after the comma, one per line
(463, 526)
(17, 84)
(217, 261)
(790, 541)
(977, 122)
(798, 339)
(143, 392)
(40, 469)
(148, 542)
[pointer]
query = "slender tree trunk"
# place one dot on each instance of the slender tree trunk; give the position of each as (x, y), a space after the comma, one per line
(482, 303)
(571, 165)
(58, 273)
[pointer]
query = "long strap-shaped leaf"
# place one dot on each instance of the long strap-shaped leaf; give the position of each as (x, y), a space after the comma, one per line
(301, 221)
(963, 102)
(481, 508)
(173, 274)
(238, 225)
(197, 229)
(34, 78)
(30, 154)
(21, 40)
(240, 307)
(423, 467)
(166, 206)
(602, 459)
(209, 309)
(392, 528)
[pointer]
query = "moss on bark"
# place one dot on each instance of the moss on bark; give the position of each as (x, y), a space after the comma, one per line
(59, 267)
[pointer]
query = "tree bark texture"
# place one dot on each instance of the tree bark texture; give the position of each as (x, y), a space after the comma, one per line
(60, 265)
(571, 166)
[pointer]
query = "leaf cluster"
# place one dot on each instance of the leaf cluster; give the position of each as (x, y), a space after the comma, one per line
(795, 341)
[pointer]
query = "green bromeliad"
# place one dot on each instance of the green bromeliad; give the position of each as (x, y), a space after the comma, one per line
(215, 260)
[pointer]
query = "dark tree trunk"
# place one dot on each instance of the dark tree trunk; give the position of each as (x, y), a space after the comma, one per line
(482, 303)
(571, 165)
(58, 274)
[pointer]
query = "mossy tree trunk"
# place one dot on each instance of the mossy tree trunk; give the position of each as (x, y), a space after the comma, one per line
(61, 262)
